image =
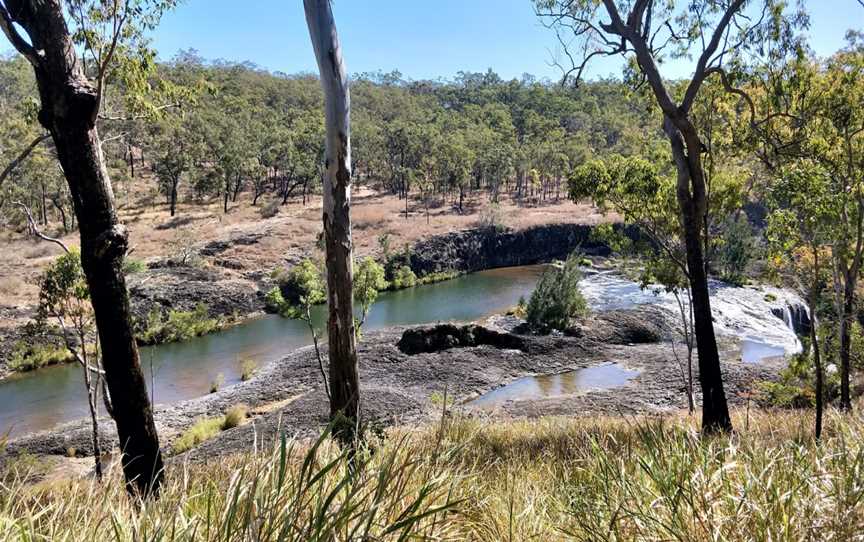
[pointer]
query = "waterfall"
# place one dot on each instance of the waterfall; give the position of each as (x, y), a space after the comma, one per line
(763, 316)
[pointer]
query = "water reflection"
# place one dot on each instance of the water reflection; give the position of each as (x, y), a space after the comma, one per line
(599, 377)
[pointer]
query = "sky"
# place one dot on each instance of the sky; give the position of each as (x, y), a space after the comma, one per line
(423, 39)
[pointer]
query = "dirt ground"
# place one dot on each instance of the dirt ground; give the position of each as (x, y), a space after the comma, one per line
(285, 237)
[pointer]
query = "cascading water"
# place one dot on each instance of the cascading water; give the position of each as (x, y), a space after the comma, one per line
(761, 318)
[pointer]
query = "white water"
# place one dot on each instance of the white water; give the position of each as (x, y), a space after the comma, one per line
(743, 313)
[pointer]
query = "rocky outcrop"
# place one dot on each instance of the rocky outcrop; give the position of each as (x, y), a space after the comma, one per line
(474, 250)
(185, 287)
(446, 336)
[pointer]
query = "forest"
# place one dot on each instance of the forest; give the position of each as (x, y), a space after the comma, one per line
(242, 304)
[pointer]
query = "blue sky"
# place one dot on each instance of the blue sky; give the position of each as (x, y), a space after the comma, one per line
(422, 39)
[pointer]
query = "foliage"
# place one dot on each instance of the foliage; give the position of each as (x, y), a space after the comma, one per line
(26, 357)
(178, 325)
(201, 431)
(303, 284)
(234, 416)
(131, 266)
(368, 281)
(736, 250)
(217, 382)
(556, 299)
(403, 278)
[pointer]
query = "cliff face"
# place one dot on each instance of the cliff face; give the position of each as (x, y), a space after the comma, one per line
(474, 250)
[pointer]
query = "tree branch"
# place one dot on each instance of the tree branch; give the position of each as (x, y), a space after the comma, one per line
(35, 229)
(6, 24)
(20, 158)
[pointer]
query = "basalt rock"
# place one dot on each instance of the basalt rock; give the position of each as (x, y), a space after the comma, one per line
(477, 249)
(447, 336)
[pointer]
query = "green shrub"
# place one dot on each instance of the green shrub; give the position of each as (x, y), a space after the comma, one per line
(735, 250)
(202, 430)
(404, 278)
(275, 302)
(492, 219)
(178, 325)
(557, 298)
(303, 284)
(132, 266)
(31, 357)
(438, 276)
(234, 416)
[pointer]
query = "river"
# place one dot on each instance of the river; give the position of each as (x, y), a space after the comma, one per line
(41, 399)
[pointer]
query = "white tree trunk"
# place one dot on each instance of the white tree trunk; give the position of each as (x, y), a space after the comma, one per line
(344, 383)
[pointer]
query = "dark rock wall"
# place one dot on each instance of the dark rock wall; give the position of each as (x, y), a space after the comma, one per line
(474, 250)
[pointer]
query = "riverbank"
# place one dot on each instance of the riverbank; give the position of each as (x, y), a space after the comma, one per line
(404, 384)
(208, 276)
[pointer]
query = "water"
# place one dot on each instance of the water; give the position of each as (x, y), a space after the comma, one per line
(746, 314)
(599, 377)
(41, 399)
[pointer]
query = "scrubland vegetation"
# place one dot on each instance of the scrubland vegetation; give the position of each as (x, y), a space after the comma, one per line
(554, 478)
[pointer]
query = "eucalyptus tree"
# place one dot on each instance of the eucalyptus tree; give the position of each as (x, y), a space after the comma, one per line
(813, 110)
(344, 382)
(801, 232)
(70, 104)
(648, 31)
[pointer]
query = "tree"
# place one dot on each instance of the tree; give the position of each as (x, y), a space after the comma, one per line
(368, 281)
(70, 104)
(645, 30)
(344, 382)
(801, 229)
(65, 297)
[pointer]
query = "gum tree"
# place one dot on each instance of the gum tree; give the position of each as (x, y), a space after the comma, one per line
(801, 229)
(344, 382)
(646, 32)
(71, 93)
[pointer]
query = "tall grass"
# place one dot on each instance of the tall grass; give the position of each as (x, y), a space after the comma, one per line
(546, 479)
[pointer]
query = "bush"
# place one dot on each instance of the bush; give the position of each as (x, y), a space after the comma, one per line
(303, 284)
(270, 210)
(202, 430)
(217, 383)
(438, 276)
(557, 298)
(31, 357)
(404, 278)
(492, 219)
(178, 325)
(132, 266)
(247, 369)
(234, 416)
(736, 249)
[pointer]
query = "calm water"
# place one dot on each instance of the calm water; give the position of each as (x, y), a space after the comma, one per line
(599, 377)
(44, 398)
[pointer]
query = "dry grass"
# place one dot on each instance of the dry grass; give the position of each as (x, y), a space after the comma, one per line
(291, 234)
(546, 479)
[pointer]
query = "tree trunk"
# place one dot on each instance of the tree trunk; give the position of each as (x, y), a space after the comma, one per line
(173, 197)
(691, 200)
(344, 382)
(69, 107)
(846, 316)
